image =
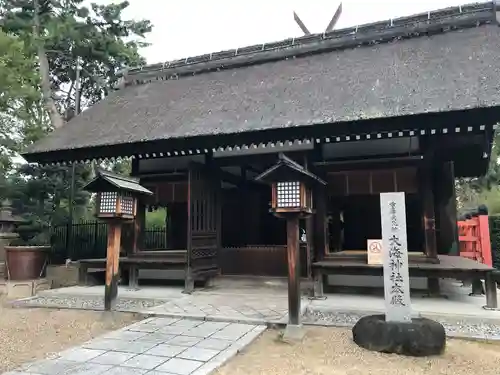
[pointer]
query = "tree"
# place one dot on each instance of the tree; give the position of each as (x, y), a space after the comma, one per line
(19, 97)
(66, 31)
(55, 34)
(482, 190)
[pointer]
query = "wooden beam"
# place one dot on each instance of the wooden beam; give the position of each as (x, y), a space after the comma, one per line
(112, 265)
(292, 226)
(230, 178)
(372, 162)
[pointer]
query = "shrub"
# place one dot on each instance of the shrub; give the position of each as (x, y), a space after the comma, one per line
(495, 239)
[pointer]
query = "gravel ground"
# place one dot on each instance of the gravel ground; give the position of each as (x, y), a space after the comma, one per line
(330, 351)
(30, 334)
(462, 328)
(89, 303)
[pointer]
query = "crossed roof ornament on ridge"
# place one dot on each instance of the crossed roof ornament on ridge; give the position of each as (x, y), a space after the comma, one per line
(330, 26)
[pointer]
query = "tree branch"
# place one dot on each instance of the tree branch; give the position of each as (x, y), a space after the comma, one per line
(55, 117)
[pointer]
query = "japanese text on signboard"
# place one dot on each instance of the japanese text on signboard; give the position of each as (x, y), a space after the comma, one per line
(396, 261)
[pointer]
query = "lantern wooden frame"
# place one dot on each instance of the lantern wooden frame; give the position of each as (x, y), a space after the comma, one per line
(116, 205)
(116, 202)
(291, 196)
(291, 187)
(292, 199)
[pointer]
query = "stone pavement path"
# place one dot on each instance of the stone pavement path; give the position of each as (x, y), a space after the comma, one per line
(253, 309)
(203, 305)
(155, 346)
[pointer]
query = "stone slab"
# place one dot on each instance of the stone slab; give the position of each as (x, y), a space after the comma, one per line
(166, 350)
(23, 289)
(216, 344)
(144, 361)
(157, 337)
(232, 332)
(187, 341)
(127, 351)
(294, 333)
(119, 370)
(180, 366)
(126, 335)
(198, 354)
(62, 275)
(112, 358)
(88, 369)
(81, 354)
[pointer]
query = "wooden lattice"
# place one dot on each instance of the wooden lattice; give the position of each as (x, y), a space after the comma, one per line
(204, 219)
(288, 194)
(107, 203)
(127, 204)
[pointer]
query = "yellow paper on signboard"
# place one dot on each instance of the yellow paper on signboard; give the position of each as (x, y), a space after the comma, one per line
(374, 251)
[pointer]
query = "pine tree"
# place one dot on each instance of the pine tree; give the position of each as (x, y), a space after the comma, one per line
(53, 35)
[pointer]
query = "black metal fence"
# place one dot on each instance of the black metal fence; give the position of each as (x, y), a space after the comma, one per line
(89, 240)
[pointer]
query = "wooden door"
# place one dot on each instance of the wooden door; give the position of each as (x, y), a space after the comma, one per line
(204, 218)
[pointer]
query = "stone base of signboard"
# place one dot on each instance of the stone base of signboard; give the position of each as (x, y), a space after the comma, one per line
(23, 289)
(420, 337)
(294, 333)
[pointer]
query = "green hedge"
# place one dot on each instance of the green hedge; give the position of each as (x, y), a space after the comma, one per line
(495, 239)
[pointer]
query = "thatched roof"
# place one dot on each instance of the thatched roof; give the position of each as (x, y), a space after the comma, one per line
(433, 62)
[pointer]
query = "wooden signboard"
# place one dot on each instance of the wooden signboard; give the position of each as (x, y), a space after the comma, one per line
(374, 251)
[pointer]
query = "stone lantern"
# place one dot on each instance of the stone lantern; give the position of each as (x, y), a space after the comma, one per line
(8, 223)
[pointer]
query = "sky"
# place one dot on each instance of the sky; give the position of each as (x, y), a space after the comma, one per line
(195, 27)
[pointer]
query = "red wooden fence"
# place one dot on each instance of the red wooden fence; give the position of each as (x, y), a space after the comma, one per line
(474, 238)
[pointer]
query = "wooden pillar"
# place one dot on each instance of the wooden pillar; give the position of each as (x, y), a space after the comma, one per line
(491, 291)
(446, 210)
(112, 264)
(310, 250)
(429, 223)
(139, 224)
(320, 236)
(292, 226)
(188, 275)
(428, 215)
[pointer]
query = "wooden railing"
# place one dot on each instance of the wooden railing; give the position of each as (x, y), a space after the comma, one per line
(474, 239)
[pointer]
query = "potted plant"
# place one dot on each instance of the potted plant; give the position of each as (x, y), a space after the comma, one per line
(27, 256)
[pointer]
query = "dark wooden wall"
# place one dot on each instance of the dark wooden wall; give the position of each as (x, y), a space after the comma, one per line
(446, 209)
(259, 261)
(355, 193)
(246, 219)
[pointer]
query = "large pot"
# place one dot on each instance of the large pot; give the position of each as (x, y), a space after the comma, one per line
(26, 262)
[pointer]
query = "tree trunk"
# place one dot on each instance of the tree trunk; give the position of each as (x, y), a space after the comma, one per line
(48, 100)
